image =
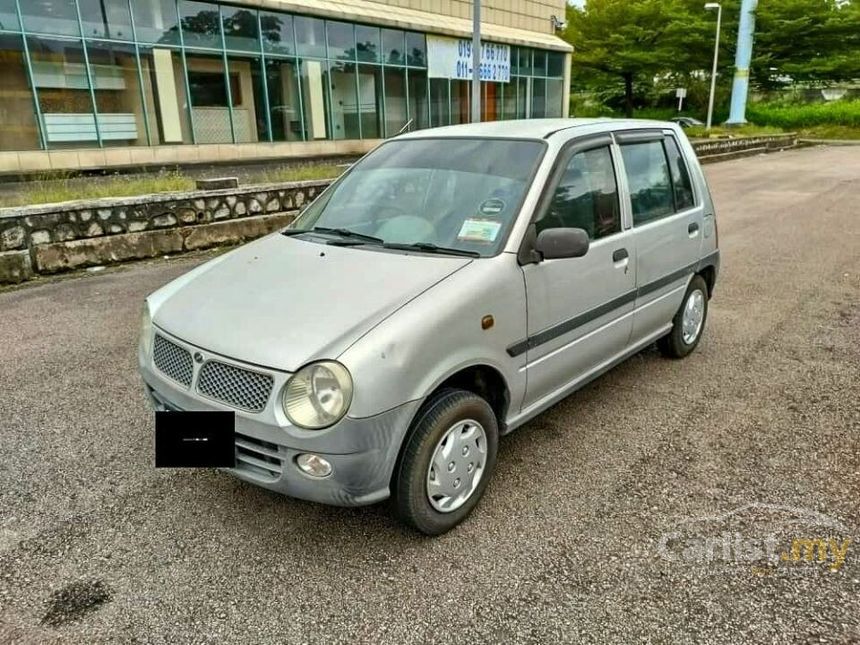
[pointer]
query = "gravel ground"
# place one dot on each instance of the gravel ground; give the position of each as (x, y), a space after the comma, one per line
(756, 434)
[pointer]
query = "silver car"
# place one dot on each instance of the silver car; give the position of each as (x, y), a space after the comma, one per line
(450, 286)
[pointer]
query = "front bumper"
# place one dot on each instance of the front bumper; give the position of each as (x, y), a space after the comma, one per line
(362, 451)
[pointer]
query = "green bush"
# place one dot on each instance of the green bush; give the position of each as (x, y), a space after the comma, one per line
(796, 116)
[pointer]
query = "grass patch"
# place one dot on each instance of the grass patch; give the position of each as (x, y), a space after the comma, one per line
(835, 132)
(50, 189)
(53, 188)
(795, 116)
(748, 130)
(296, 173)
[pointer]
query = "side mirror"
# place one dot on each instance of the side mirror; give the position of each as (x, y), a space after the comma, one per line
(557, 243)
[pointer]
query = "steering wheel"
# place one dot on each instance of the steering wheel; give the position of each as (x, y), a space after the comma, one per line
(406, 229)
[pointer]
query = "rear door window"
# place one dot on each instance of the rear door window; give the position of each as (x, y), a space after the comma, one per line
(680, 177)
(649, 181)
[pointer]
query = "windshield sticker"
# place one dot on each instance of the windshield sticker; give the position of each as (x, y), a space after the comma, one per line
(479, 230)
(492, 206)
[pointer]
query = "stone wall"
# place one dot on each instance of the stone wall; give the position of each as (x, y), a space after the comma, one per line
(57, 237)
(723, 148)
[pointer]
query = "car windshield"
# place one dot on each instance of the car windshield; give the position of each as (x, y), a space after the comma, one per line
(456, 194)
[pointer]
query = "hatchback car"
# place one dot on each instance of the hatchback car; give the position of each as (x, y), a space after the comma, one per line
(450, 286)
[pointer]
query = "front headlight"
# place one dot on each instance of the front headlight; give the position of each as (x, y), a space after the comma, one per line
(318, 395)
(146, 331)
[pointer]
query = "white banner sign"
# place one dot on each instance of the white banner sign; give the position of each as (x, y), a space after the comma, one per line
(452, 58)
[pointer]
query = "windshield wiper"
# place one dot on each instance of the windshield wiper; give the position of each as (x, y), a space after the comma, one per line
(427, 247)
(345, 232)
(356, 238)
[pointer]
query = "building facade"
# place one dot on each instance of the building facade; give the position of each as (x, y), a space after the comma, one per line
(109, 83)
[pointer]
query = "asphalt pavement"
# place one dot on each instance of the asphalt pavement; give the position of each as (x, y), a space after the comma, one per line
(637, 510)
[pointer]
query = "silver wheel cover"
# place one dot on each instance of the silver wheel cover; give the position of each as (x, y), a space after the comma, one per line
(457, 466)
(693, 317)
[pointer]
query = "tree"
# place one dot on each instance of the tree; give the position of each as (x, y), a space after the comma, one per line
(637, 40)
(807, 41)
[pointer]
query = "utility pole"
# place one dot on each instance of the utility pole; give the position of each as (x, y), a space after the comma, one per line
(741, 85)
(476, 61)
(719, 8)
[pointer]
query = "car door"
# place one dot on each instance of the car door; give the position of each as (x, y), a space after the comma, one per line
(579, 309)
(667, 224)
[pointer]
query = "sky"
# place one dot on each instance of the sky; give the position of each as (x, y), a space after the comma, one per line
(576, 3)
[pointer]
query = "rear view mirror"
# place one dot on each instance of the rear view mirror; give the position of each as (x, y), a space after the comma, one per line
(557, 243)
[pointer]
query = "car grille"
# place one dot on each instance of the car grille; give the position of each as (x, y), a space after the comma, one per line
(172, 360)
(257, 457)
(239, 387)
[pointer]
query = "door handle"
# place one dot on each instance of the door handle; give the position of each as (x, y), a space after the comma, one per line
(620, 254)
(693, 228)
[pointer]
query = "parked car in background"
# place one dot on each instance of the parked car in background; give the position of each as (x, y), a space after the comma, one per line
(450, 286)
(687, 121)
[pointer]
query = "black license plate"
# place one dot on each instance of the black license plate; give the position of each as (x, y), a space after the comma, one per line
(195, 440)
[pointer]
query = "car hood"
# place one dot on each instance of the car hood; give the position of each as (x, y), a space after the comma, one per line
(281, 302)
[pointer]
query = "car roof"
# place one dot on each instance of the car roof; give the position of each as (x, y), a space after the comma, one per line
(533, 128)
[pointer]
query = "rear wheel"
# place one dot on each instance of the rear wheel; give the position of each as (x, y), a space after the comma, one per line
(688, 323)
(447, 461)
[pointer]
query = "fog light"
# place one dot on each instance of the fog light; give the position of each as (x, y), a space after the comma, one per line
(314, 465)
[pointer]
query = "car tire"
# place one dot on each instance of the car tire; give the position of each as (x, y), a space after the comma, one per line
(456, 420)
(689, 323)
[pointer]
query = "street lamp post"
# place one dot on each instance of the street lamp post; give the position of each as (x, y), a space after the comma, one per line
(710, 6)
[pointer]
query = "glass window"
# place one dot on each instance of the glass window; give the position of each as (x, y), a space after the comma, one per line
(509, 100)
(240, 28)
(164, 92)
(539, 62)
(439, 107)
(370, 101)
(586, 196)
(8, 15)
(419, 108)
(395, 101)
(209, 98)
(249, 101)
(310, 36)
(284, 103)
(201, 24)
(155, 21)
(51, 17)
(18, 127)
(522, 97)
(648, 180)
(314, 98)
(523, 61)
(554, 97)
(341, 40)
(491, 101)
(416, 49)
(538, 98)
(277, 33)
(393, 47)
(461, 193)
(461, 99)
(344, 102)
(60, 77)
(680, 177)
(555, 64)
(367, 43)
(116, 85)
(106, 19)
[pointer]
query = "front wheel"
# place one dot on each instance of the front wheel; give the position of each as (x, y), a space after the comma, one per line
(447, 461)
(688, 323)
